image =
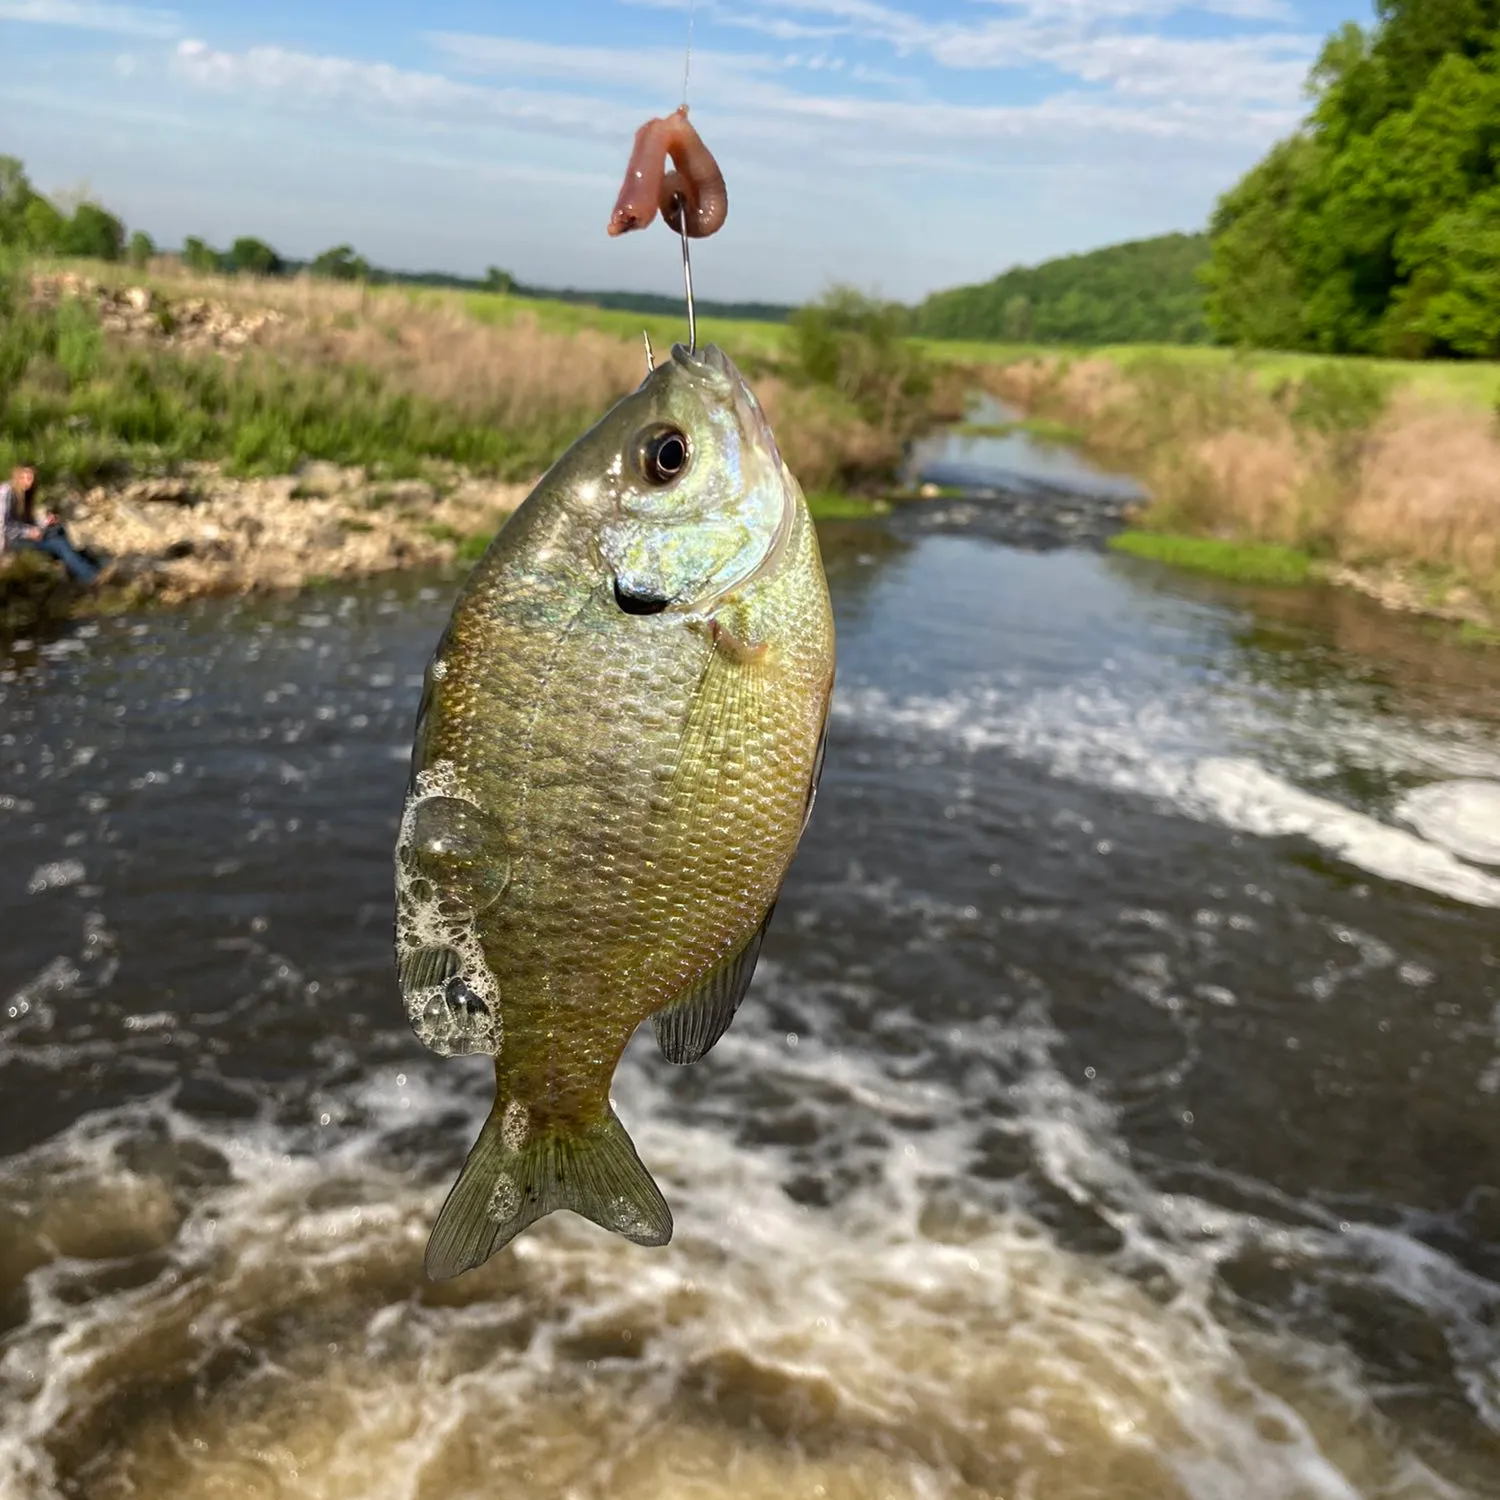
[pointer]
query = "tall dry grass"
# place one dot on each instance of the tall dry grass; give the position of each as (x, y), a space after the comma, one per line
(515, 391)
(1429, 493)
(1330, 463)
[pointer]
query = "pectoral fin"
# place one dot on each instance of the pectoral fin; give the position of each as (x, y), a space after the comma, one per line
(687, 1029)
(819, 756)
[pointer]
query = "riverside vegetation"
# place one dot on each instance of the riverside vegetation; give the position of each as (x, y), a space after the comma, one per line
(216, 433)
(1373, 231)
(176, 416)
(1352, 471)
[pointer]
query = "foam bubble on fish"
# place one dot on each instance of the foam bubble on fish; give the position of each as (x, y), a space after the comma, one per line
(458, 1012)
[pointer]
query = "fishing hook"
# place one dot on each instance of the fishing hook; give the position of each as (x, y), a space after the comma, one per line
(687, 274)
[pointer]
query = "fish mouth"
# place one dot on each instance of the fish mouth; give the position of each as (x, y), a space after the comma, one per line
(752, 419)
(717, 375)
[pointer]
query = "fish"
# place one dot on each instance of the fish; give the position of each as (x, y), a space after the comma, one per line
(617, 751)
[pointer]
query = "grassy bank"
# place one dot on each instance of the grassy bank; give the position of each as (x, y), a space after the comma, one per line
(100, 379)
(1386, 476)
(1241, 562)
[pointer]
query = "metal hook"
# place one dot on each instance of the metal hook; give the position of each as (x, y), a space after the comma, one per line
(687, 274)
(650, 357)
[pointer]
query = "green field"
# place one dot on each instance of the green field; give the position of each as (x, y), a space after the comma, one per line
(1469, 383)
(733, 335)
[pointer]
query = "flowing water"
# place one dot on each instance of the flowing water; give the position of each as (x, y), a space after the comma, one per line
(1116, 1112)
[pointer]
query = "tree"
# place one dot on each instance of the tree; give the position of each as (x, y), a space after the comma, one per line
(16, 194)
(1142, 292)
(140, 249)
(496, 280)
(254, 257)
(42, 227)
(94, 232)
(1372, 230)
(198, 255)
(341, 264)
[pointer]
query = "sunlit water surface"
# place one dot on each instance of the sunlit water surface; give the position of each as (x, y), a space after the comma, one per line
(1116, 1111)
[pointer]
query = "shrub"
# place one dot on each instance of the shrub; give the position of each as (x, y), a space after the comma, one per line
(1340, 396)
(254, 257)
(93, 232)
(341, 264)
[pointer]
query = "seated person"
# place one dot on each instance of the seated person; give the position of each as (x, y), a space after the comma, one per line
(20, 527)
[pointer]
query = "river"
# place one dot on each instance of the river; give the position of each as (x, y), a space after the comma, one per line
(1115, 1113)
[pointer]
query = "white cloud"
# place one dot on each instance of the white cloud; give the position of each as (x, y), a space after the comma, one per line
(82, 15)
(745, 103)
(1088, 40)
(1269, 68)
(313, 79)
(647, 71)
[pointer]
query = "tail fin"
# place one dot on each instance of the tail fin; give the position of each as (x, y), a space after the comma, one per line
(507, 1184)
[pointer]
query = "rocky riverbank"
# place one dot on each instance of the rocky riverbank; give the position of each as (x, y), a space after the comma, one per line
(202, 532)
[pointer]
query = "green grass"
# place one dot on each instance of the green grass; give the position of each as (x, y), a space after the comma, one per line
(1242, 562)
(826, 505)
(1470, 634)
(1469, 383)
(90, 409)
(739, 336)
(472, 548)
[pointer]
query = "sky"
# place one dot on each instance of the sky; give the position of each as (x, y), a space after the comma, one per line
(901, 145)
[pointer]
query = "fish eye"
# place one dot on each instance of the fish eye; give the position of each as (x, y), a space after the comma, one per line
(664, 454)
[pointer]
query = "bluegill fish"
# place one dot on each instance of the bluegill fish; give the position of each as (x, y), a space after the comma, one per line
(615, 757)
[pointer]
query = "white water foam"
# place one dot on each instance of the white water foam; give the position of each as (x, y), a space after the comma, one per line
(1463, 816)
(1164, 747)
(911, 1342)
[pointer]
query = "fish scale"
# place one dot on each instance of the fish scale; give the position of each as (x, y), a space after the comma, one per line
(607, 793)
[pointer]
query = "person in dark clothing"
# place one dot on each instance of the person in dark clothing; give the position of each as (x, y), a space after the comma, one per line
(22, 529)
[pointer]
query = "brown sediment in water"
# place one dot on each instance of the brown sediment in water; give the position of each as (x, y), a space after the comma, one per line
(277, 1342)
(1405, 509)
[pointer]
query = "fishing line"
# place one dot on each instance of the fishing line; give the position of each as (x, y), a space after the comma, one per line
(687, 261)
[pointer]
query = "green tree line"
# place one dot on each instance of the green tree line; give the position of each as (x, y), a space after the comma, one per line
(1375, 229)
(31, 222)
(1146, 291)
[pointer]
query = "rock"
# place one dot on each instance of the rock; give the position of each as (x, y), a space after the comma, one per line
(317, 478)
(172, 491)
(401, 494)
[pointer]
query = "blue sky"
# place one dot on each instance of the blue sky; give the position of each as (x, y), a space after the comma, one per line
(904, 145)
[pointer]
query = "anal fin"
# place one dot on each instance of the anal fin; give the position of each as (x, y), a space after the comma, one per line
(687, 1029)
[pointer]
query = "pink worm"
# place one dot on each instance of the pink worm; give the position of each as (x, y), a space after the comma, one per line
(697, 183)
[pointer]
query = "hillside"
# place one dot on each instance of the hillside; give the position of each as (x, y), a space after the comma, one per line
(1143, 292)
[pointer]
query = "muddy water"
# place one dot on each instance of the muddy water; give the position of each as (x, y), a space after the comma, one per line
(1116, 1112)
